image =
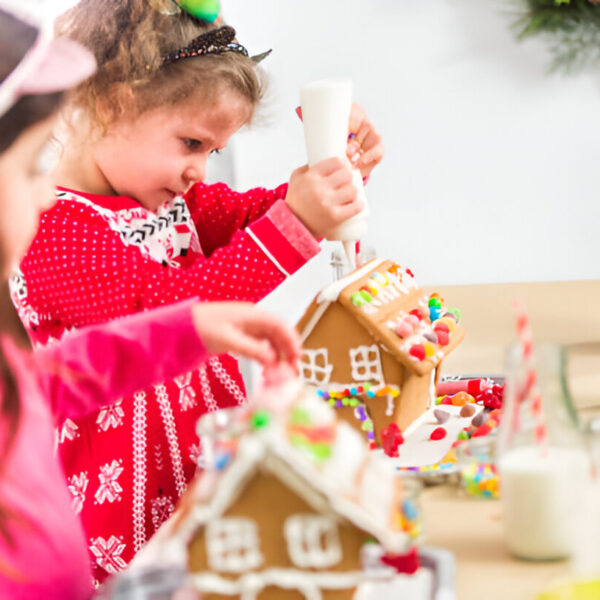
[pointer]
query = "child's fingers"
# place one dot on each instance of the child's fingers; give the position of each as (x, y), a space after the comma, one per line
(253, 348)
(283, 338)
(329, 166)
(371, 140)
(339, 178)
(371, 158)
(347, 211)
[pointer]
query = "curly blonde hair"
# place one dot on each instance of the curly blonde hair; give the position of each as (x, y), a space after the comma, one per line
(129, 39)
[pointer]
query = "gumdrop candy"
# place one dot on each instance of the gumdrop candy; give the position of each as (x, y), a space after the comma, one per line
(439, 433)
(391, 438)
(417, 351)
(443, 338)
(467, 410)
(441, 415)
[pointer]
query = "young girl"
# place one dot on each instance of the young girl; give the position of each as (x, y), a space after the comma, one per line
(134, 228)
(43, 551)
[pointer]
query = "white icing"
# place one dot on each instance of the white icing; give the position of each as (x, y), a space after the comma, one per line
(366, 364)
(312, 370)
(307, 583)
(389, 411)
(312, 541)
(314, 319)
(232, 545)
(332, 292)
(432, 390)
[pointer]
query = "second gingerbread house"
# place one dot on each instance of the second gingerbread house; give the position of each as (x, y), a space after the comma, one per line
(373, 342)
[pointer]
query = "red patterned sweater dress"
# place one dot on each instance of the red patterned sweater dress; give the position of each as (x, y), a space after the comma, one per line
(98, 258)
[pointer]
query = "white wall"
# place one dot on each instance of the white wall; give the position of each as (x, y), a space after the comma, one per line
(491, 168)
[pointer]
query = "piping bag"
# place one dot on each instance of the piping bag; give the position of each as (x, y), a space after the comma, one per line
(326, 108)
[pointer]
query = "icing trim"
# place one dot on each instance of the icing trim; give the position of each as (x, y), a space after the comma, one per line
(332, 291)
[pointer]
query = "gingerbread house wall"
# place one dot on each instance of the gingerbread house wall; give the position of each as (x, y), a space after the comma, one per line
(267, 502)
(338, 331)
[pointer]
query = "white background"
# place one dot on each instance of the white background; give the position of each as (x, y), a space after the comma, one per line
(491, 167)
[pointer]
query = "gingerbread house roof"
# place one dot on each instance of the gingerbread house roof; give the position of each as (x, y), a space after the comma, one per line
(322, 460)
(385, 299)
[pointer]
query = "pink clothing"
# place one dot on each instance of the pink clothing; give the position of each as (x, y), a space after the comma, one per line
(67, 380)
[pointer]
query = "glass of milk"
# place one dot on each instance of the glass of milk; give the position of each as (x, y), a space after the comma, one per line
(541, 483)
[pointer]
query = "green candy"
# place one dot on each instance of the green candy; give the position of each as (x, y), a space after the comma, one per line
(456, 312)
(206, 10)
(260, 419)
(463, 435)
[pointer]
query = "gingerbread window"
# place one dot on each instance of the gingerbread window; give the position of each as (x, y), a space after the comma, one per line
(315, 367)
(232, 545)
(312, 541)
(366, 364)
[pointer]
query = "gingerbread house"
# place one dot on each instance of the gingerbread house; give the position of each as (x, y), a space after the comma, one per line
(373, 342)
(294, 508)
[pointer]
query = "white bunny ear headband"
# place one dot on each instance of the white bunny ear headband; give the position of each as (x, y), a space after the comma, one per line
(50, 65)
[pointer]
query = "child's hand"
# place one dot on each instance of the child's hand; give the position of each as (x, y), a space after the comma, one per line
(323, 196)
(365, 148)
(242, 328)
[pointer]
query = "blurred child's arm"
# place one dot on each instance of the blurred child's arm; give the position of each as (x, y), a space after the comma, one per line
(95, 366)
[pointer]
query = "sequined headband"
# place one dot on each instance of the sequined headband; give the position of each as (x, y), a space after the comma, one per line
(216, 41)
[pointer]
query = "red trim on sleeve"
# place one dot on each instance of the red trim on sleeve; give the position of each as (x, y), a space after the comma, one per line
(285, 237)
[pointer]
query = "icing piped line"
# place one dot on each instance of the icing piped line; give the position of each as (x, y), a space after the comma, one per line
(331, 292)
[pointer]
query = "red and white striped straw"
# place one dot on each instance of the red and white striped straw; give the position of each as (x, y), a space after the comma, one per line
(530, 387)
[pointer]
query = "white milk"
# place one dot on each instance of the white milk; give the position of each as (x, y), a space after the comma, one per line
(325, 113)
(541, 491)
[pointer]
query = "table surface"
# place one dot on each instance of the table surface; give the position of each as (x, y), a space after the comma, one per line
(471, 528)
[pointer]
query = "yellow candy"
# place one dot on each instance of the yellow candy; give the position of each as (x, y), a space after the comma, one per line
(449, 321)
(429, 349)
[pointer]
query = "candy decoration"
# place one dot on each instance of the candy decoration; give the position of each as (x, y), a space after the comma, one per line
(480, 479)
(205, 10)
(468, 410)
(443, 338)
(391, 438)
(434, 301)
(429, 349)
(417, 351)
(439, 433)
(434, 313)
(441, 415)
(260, 419)
(441, 326)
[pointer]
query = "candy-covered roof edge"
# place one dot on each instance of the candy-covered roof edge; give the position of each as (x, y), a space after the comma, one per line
(382, 334)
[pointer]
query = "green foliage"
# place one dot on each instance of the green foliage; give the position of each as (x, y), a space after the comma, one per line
(572, 28)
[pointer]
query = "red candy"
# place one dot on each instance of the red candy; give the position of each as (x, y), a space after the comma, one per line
(417, 313)
(442, 337)
(417, 351)
(441, 326)
(391, 438)
(439, 433)
(482, 430)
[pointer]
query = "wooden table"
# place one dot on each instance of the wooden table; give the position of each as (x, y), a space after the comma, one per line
(565, 312)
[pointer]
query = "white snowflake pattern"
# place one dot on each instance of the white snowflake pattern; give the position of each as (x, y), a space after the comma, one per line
(162, 509)
(110, 416)
(78, 485)
(187, 394)
(108, 553)
(68, 431)
(109, 489)
(195, 452)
